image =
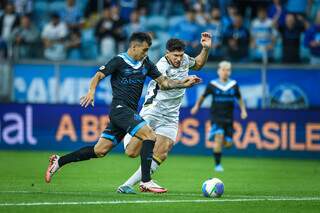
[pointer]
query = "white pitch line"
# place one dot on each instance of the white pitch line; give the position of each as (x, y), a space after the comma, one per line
(148, 194)
(156, 201)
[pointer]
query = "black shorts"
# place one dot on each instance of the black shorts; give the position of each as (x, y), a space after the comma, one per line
(223, 128)
(123, 120)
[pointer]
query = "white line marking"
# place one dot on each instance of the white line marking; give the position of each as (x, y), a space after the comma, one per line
(148, 194)
(157, 201)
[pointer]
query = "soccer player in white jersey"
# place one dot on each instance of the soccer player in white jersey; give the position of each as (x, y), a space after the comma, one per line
(161, 108)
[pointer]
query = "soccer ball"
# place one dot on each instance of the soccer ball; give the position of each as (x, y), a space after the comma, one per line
(213, 187)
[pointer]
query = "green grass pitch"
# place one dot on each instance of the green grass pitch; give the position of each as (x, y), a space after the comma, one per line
(251, 185)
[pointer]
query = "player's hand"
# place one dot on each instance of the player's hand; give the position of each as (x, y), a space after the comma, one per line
(194, 110)
(244, 115)
(206, 40)
(191, 81)
(88, 99)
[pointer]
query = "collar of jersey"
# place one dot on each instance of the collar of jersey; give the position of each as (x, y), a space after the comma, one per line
(223, 86)
(130, 61)
(223, 83)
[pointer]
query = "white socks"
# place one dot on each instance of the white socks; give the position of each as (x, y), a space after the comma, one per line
(136, 177)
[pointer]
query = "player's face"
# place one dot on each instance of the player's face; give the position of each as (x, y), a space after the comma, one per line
(140, 50)
(175, 58)
(224, 73)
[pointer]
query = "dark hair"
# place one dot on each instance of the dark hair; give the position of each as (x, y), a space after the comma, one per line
(262, 8)
(28, 16)
(175, 44)
(141, 37)
(55, 15)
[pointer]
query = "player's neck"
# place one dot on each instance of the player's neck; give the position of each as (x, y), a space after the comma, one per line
(169, 62)
(223, 80)
(131, 54)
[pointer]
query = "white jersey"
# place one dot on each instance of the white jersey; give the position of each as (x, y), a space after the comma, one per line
(167, 102)
(161, 107)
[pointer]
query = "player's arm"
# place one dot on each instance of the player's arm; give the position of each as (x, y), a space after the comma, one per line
(199, 102)
(166, 83)
(197, 105)
(103, 71)
(243, 109)
(242, 105)
(202, 58)
(89, 97)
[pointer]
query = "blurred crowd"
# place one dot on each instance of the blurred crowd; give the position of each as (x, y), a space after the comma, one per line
(286, 31)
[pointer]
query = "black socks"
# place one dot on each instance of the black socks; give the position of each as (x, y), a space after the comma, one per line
(82, 154)
(146, 159)
(217, 157)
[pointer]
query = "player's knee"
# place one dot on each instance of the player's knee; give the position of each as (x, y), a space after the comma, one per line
(162, 153)
(103, 147)
(101, 152)
(149, 135)
(218, 138)
(131, 153)
(170, 145)
(228, 144)
(163, 156)
(218, 147)
(167, 148)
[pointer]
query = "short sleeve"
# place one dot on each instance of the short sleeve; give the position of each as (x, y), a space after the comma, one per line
(207, 91)
(63, 30)
(237, 91)
(162, 66)
(191, 61)
(45, 32)
(110, 67)
(153, 71)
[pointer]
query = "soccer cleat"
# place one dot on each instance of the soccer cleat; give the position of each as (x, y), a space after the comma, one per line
(218, 168)
(152, 187)
(125, 190)
(52, 168)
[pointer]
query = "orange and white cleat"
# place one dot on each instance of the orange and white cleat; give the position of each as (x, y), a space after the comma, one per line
(152, 187)
(52, 168)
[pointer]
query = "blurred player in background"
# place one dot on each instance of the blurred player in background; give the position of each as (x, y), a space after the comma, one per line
(224, 91)
(161, 107)
(128, 72)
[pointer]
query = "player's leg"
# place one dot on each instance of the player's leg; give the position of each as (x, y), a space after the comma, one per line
(148, 138)
(228, 133)
(217, 152)
(129, 121)
(132, 142)
(162, 148)
(105, 143)
(99, 150)
(127, 187)
(166, 134)
(217, 134)
(132, 146)
(160, 152)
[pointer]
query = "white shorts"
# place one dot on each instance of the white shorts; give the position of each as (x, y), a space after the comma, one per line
(164, 126)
